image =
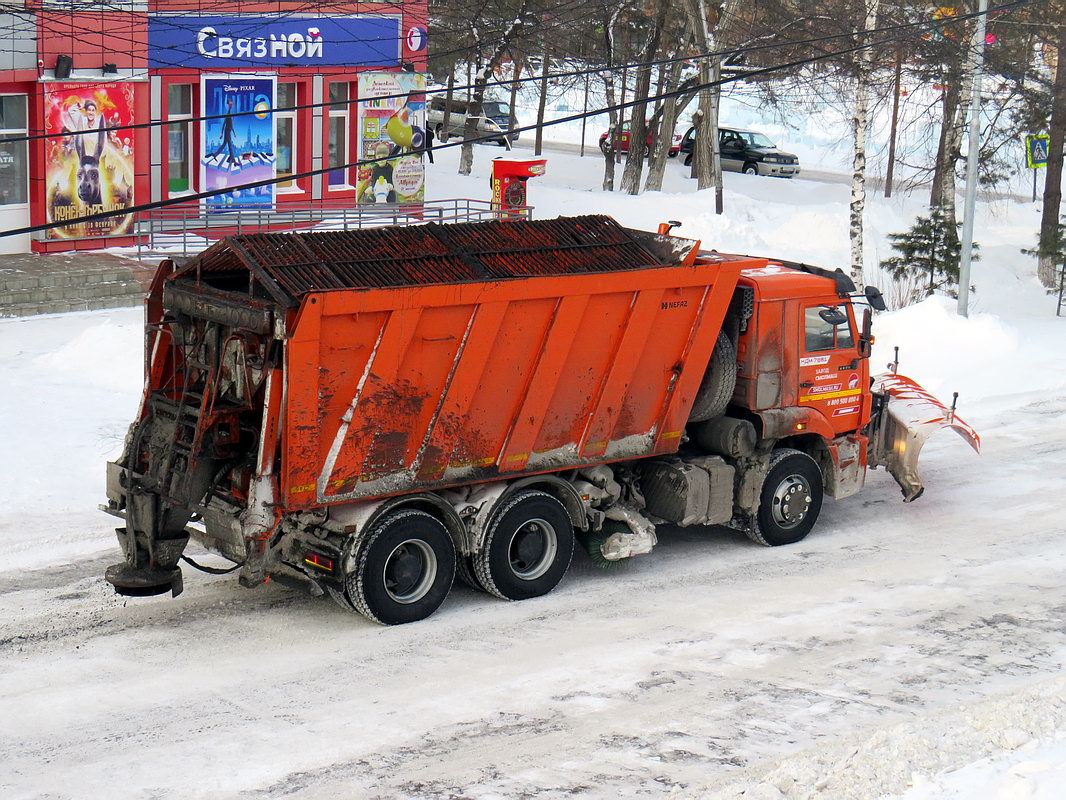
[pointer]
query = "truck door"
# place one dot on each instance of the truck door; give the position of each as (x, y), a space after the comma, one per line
(831, 372)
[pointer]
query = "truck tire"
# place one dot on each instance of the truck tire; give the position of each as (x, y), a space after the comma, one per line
(719, 380)
(791, 499)
(464, 571)
(403, 570)
(528, 547)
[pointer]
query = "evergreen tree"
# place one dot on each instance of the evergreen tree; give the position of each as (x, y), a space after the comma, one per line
(931, 248)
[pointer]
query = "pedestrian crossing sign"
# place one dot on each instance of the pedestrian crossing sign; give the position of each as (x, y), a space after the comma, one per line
(1036, 147)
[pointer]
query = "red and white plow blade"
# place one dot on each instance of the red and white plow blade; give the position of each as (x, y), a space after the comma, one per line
(910, 416)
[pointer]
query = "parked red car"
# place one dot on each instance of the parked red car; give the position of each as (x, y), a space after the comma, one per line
(623, 142)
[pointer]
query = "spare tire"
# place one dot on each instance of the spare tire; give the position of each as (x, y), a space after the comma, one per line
(719, 380)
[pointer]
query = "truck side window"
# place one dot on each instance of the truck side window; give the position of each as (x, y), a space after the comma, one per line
(820, 335)
(817, 333)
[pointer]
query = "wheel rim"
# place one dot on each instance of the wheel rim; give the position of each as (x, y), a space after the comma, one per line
(410, 571)
(532, 549)
(791, 501)
(751, 170)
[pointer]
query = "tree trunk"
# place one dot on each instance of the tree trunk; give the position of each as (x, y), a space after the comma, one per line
(608, 151)
(477, 98)
(661, 148)
(706, 159)
(1049, 219)
(443, 136)
(859, 122)
(608, 86)
(516, 76)
(942, 193)
(638, 126)
(895, 123)
(542, 102)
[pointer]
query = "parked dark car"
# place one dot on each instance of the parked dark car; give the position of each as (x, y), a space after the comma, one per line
(746, 151)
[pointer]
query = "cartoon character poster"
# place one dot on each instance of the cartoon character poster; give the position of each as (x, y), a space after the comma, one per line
(392, 136)
(88, 168)
(237, 147)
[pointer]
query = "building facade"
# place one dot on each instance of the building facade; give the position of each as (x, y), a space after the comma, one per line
(70, 69)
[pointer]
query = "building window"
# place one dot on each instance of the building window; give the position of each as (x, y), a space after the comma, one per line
(286, 143)
(14, 156)
(179, 138)
(338, 135)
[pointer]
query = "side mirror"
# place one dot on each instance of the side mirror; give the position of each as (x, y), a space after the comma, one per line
(833, 316)
(875, 299)
(866, 338)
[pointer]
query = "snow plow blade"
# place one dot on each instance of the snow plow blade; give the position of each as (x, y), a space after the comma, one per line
(909, 415)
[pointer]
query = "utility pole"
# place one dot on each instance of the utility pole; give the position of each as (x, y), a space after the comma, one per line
(977, 59)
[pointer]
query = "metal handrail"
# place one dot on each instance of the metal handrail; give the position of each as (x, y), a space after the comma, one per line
(193, 228)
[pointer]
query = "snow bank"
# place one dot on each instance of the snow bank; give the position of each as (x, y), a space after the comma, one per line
(71, 387)
(980, 357)
(1026, 728)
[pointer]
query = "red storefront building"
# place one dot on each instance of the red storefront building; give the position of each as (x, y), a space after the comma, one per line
(64, 68)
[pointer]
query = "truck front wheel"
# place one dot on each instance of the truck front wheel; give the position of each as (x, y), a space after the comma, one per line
(791, 499)
(527, 549)
(403, 570)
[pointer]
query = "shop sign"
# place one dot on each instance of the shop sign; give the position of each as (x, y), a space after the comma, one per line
(392, 137)
(292, 40)
(237, 148)
(88, 169)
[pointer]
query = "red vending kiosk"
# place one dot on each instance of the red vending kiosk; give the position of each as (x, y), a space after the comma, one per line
(509, 176)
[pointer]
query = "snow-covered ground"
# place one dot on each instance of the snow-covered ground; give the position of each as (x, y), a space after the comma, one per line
(911, 651)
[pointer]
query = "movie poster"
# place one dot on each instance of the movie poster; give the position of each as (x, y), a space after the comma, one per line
(88, 169)
(238, 148)
(392, 135)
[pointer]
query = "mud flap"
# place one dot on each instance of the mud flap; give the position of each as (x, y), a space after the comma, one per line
(909, 415)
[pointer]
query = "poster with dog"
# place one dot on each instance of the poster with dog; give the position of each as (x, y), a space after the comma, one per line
(88, 165)
(238, 141)
(392, 137)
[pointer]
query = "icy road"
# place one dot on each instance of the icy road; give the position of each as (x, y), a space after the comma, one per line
(690, 671)
(896, 642)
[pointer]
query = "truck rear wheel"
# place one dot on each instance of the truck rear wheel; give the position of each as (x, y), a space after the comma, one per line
(791, 499)
(527, 549)
(403, 570)
(719, 380)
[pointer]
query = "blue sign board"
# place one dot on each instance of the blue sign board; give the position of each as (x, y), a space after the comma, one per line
(291, 40)
(1036, 150)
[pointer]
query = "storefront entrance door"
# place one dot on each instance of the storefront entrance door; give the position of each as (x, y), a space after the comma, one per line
(14, 173)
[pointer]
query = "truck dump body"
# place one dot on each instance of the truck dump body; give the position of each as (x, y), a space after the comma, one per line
(432, 356)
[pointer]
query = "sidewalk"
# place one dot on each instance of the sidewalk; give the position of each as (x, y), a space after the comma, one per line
(53, 283)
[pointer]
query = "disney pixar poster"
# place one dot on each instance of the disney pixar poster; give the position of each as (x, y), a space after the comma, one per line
(237, 148)
(392, 134)
(88, 168)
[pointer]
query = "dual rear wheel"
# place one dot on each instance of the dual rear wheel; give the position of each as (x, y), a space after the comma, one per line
(406, 565)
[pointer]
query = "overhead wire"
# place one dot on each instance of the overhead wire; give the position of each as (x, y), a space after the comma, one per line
(511, 81)
(185, 199)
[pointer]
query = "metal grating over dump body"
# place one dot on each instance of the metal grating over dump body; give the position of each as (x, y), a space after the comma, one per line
(289, 265)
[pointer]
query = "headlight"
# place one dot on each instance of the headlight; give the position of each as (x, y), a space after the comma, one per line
(771, 160)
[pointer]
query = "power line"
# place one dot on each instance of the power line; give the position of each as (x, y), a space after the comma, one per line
(493, 84)
(562, 120)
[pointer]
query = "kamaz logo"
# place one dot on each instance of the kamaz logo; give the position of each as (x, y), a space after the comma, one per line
(211, 44)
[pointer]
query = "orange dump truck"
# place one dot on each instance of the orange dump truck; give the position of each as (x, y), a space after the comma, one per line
(374, 413)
